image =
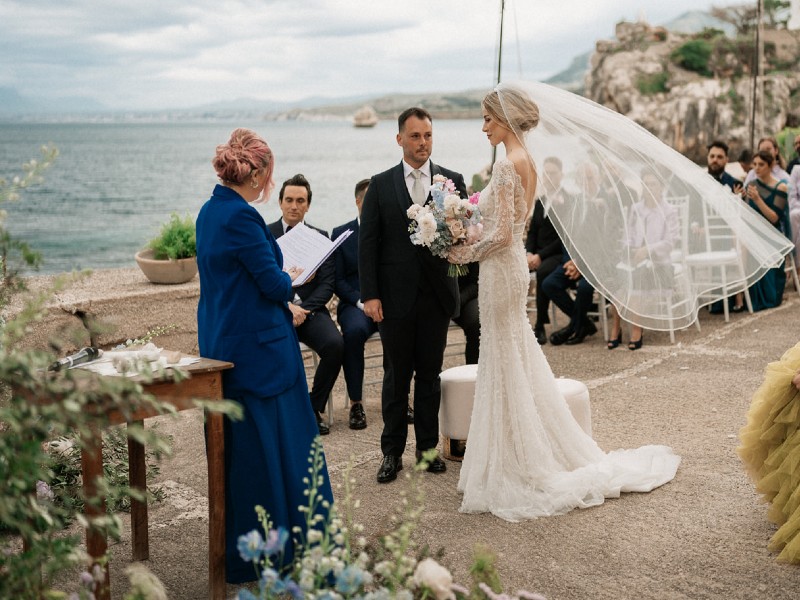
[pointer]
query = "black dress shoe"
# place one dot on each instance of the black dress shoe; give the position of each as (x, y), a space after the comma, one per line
(437, 465)
(561, 336)
(321, 425)
(390, 466)
(587, 329)
(541, 336)
(358, 420)
(410, 416)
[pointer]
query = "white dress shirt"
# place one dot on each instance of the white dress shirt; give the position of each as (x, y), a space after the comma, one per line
(426, 177)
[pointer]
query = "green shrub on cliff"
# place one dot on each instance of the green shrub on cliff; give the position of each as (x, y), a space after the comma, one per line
(693, 56)
(652, 83)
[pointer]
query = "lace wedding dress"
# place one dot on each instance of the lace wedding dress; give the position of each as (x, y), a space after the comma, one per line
(526, 456)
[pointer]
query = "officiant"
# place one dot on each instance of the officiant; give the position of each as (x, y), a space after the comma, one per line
(312, 321)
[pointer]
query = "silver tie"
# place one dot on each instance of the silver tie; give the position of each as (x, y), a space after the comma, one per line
(418, 189)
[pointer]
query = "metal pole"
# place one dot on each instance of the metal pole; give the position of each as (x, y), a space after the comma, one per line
(499, 62)
(756, 77)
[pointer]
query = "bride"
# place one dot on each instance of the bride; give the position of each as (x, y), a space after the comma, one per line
(527, 457)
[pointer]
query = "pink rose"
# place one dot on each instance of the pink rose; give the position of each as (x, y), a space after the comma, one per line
(456, 229)
(474, 198)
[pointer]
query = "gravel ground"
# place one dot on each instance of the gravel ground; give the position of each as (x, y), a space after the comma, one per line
(704, 535)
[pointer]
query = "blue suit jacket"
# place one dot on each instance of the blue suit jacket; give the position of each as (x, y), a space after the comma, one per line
(242, 315)
(346, 257)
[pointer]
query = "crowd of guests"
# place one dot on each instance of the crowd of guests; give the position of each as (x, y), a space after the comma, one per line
(762, 179)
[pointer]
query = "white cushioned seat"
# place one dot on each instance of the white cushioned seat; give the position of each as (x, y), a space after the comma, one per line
(458, 394)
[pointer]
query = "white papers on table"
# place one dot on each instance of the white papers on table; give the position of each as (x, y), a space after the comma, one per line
(307, 249)
(130, 362)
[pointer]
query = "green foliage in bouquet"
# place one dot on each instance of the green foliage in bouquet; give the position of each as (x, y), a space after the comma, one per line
(176, 240)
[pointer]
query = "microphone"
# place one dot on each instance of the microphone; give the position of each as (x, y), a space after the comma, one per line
(83, 355)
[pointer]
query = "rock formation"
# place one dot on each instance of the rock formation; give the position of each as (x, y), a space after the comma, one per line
(639, 76)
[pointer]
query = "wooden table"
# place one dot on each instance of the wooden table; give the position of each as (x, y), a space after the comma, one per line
(204, 382)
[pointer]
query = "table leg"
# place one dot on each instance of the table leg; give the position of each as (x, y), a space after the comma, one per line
(215, 449)
(137, 477)
(96, 545)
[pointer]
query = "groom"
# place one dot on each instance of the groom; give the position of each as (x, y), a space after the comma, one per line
(406, 290)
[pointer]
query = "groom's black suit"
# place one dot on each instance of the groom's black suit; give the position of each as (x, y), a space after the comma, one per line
(418, 300)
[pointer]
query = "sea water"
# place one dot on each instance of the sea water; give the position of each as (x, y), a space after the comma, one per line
(113, 184)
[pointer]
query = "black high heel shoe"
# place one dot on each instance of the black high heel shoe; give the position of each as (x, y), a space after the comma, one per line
(635, 345)
(611, 344)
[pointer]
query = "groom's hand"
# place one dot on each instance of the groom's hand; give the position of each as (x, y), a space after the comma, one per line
(374, 310)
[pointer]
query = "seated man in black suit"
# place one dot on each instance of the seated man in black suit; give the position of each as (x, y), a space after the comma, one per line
(313, 322)
(356, 326)
(468, 316)
(542, 244)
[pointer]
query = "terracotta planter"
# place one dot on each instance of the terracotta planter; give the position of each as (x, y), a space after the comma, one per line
(166, 271)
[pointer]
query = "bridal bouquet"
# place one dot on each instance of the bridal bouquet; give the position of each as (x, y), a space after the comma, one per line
(447, 221)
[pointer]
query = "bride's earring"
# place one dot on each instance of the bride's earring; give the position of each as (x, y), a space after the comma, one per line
(254, 183)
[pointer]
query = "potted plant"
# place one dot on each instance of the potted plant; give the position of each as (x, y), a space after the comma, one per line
(171, 256)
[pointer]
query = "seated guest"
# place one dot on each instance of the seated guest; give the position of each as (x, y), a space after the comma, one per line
(794, 210)
(356, 326)
(739, 168)
(767, 195)
(468, 318)
(771, 146)
(652, 232)
(311, 318)
(796, 159)
(717, 160)
(564, 277)
(543, 246)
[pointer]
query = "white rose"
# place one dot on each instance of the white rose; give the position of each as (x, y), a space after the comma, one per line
(413, 211)
(452, 204)
(427, 229)
(436, 578)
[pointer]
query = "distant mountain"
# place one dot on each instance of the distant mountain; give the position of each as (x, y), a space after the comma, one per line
(572, 78)
(12, 103)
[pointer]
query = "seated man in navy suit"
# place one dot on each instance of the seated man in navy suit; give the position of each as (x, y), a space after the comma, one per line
(313, 322)
(356, 326)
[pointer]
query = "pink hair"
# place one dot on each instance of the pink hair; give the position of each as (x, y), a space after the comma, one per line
(244, 154)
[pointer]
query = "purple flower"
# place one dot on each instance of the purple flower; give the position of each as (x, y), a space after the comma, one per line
(250, 546)
(276, 541)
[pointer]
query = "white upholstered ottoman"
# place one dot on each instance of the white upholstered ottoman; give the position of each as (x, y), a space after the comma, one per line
(458, 393)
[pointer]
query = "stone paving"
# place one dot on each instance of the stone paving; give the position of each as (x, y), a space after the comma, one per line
(704, 535)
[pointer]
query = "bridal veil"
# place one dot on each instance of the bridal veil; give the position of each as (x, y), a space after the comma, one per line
(648, 228)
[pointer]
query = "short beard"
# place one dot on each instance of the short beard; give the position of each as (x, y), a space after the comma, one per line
(715, 170)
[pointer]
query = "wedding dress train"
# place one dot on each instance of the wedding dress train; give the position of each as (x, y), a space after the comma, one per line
(526, 455)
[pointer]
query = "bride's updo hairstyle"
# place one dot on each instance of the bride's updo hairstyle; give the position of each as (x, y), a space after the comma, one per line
(512, 108)
(245, 154)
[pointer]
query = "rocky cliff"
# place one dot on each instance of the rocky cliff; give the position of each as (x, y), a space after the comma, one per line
(691, 89)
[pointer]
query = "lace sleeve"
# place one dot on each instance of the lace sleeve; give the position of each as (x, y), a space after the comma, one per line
(497, 227)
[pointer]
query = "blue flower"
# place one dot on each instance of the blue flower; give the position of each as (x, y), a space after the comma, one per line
(246, 595)
(293, 589)
(270, 581)
(349, 580)
(276, 540)
(250, 546)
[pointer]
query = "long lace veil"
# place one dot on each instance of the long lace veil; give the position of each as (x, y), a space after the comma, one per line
(648, 228)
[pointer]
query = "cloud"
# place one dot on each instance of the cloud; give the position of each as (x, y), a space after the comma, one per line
(153, 54)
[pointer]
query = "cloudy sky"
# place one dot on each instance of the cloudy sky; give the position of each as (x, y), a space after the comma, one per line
(154, 54)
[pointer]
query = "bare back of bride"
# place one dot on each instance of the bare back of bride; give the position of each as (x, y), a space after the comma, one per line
(526, 455)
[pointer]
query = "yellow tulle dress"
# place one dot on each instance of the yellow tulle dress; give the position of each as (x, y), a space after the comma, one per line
(770, 450)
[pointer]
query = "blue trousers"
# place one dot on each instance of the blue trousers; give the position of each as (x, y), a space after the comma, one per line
(555, 286)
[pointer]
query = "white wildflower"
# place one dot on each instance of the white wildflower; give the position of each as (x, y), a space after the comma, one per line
(436, 578)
